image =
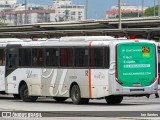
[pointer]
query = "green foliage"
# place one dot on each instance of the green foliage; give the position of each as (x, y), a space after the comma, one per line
(150, 11)
(125, 15)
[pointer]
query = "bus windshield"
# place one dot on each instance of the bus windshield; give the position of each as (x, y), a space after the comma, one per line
(136, 63)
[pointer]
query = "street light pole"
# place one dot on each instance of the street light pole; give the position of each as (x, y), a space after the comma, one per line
(120, 15)
(66, 16)
(86, 9)
(142, 6)
(158, 7)
(154, 7)
(25, 12)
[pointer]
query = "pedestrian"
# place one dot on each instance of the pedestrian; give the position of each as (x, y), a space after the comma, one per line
(10, 60)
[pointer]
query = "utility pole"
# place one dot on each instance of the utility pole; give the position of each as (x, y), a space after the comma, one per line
(25, 12)
(4, 14)
(154, 7)
(66, 16)
(159, 8)
(142, 6)
(120, 15)
(86, 9)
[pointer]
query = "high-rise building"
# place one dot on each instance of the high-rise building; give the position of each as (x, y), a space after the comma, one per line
(60, 10)
(62, 1)
(5, 6)
(34, 14)
(8, 1)
(66, 11)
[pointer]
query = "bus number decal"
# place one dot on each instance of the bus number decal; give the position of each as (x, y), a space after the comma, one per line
(86, 72)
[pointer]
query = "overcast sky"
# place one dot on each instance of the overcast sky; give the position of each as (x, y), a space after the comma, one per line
(97, 8)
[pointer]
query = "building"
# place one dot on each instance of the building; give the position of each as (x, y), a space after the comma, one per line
(125, 9)
(6, 6)
(62, 2)
(34, 14)
(13, 13)
(8, 2)
(66, 11)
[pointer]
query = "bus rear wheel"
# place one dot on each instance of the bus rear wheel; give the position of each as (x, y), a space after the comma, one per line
(113, 99)
(76, 96)
(24, 95)
(60, 99)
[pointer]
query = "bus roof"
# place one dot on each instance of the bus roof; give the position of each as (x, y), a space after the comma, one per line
(70, 41)
(87, 38)
(3, 40)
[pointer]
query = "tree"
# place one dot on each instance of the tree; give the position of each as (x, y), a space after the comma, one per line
(150, 11)
(131, 14)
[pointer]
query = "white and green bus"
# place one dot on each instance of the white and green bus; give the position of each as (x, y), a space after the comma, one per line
(82, 68)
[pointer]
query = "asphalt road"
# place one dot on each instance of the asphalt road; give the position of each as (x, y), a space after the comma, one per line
(134, 108)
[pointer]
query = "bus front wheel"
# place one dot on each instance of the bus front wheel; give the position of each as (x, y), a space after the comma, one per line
(24, 95)
(76, 96)
(113, 99)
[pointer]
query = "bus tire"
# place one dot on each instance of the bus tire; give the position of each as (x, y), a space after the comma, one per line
(24, 95)
(119, 99)
(16, 96)
(113, 99)
(60, 99)
(76, 95)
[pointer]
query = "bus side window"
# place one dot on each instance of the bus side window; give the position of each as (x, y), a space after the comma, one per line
(81, 57)
(38, 57)
(66, 57)
(24, 57)
(52, 57)
(70, 57)
(63, 57)
(96, 57)
(107, 57)
(2, 57)
(10, 60)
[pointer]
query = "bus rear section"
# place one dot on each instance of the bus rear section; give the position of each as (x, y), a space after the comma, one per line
(136, 69)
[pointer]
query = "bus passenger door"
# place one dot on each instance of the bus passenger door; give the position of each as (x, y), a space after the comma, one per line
(11, 66)
(2, 69)
(158, 67)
